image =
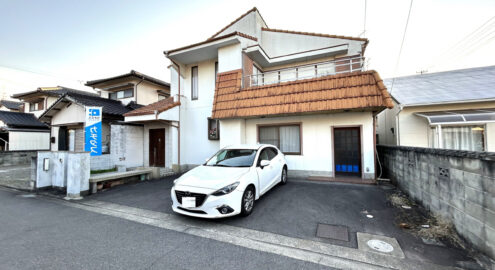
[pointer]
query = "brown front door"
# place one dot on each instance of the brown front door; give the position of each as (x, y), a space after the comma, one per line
(157, 147)
(347, 151)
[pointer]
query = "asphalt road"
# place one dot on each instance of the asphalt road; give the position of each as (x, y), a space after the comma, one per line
(39, 234)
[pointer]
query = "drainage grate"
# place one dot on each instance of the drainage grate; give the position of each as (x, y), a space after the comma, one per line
(332, 232)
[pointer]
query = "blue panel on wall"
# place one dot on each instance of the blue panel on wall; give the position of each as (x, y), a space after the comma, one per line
(355, 168)
(338, 168)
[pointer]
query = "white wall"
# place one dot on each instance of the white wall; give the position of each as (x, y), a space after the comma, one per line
(73, 114)
(195, 146)
(127, 146)
(19, 140)
(414, 130)
(317, 156)
(232, 131)
(229, 58)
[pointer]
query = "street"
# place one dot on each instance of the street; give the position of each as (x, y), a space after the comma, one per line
(40, 234)
(132, 226)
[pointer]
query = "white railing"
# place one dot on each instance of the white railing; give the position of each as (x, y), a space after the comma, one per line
(305, 72)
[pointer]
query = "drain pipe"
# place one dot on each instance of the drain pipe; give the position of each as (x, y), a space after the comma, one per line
(178, 125)
(397, 124)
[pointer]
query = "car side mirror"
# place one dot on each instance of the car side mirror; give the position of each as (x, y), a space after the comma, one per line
(264, 163)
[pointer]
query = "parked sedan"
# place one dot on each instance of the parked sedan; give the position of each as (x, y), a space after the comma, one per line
(230, 182)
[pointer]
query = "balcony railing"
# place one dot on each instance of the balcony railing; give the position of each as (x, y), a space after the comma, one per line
(316, 70)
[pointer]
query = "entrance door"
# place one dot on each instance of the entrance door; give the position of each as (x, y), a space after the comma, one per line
(347, 151)
(157, 147)
(63, 139)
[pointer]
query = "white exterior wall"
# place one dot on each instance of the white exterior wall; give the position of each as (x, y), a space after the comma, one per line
(74, 114)
(195, 146)
(19, 140)
(229, 58)
(317, 141)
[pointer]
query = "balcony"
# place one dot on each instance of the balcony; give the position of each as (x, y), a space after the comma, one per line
(316, 70)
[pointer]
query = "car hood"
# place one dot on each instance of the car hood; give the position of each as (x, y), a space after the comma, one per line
(211, 177)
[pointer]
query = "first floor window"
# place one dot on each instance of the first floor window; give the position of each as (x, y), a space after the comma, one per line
(213, 129)
(470, 138)
(286, 137)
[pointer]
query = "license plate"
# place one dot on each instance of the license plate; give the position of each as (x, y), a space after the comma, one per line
(189, 202)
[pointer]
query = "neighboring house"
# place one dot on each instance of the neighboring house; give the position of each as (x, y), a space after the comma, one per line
(132, 87)
(451, 110)
(11, 106)
(66, 117)
(37, 101)
(306, 93)
(22, 131)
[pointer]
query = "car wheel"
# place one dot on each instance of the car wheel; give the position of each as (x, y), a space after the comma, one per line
(247, 203)
(283, 177)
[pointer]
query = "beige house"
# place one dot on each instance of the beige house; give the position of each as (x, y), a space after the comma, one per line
(37, 101)
(450, 110)
(132, 87)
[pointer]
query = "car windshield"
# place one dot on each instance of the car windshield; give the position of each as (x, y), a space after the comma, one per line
(233, 158)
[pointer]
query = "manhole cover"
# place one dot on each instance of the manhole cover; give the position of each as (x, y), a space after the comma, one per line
(380, 245)
(332, 232)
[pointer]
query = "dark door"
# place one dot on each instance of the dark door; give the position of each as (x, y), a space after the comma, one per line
(157, 147)
(63, 144)
(347, 151)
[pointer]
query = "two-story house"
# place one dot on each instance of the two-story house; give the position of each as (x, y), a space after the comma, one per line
(306, 93)
(37, 101)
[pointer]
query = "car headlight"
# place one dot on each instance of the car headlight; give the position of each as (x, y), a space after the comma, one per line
(226, 189)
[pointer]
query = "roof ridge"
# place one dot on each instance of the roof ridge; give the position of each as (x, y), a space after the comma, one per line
(439, 72)
(314, 34)
(236, 20)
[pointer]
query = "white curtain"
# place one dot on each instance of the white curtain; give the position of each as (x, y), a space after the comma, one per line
(463, 138)
(289, 139)
(269, 135)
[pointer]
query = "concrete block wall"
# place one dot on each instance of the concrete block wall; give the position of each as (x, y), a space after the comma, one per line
(457, 185)
(14, 158)
(103, 162)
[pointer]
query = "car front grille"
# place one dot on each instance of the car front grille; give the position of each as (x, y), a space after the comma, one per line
(200, 198)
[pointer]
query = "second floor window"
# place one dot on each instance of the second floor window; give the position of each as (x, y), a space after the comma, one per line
(127, 93)
(194, 83)
(216, 71)
(35, 106)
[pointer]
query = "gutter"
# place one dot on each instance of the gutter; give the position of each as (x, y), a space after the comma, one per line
(397, 124)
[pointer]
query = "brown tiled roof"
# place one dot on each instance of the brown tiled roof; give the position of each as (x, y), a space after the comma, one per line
(313, 34)
(211, 40)
(349, 91)
(159, 106)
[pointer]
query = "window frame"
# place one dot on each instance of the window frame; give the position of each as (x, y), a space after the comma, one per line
(278, 125)
(217, 136)
(116, 93)
(192, 83)
(435, 135)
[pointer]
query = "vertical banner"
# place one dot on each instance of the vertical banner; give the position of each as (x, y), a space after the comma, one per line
(92, 131)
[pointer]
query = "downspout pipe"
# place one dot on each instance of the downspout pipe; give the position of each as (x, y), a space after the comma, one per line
(397, 120)
(178, 126)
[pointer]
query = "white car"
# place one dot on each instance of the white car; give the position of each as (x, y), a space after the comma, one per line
(229, 182)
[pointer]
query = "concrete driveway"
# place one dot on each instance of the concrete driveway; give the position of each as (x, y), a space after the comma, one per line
(295, 210)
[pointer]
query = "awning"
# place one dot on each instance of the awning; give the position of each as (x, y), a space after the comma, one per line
(459, 117)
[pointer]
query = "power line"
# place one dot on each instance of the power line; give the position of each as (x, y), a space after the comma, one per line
(401, 45)
(364, 20)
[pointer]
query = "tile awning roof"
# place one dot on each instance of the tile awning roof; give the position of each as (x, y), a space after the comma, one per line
(57, 91)
(132, 73)
(21, 120)
(11, 105)
(158, 107)
(349, 91)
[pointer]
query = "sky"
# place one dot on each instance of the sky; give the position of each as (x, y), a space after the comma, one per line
(50, 42)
